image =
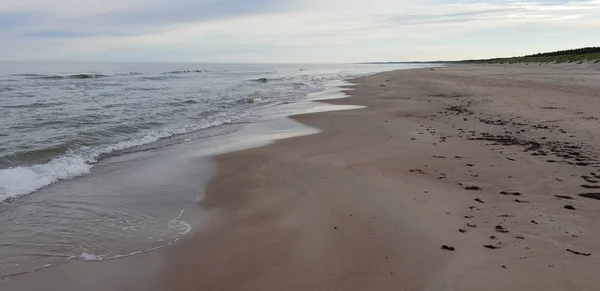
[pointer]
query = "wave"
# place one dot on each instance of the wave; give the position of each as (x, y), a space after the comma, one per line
(35, 105)
(266, 80)
(182, 102)
(48, 77)
(33, 156)
(23, 180)
(185, 72)
(28, 75)
(86, 76)
(147, 88)
(207, 113)
(253, 97)
(159, 78)
(247, 100)
(129, 74)
(61, 77)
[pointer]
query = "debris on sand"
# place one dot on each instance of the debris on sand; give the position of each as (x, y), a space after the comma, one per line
(591, 195)
(564, 197)
(459, 109)
(448, 248)
(500, 228)
(472, 188)
(578, 253)
(417, 171)
(479, 200)
(572, 154)
(508, 140)
(589, 179)
(492, 247)
(511, 193)
(570, 207)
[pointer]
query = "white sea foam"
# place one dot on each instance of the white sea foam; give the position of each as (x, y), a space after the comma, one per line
(91, 257)
(183, 227)
(19, 181)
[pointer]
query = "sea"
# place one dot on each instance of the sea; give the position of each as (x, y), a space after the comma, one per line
(95, 158)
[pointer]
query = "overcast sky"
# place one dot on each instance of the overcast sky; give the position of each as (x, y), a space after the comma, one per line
(290, 30)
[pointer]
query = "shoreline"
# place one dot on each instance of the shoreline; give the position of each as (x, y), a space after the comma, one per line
(369, 200)
(348, 207)
(261, 130)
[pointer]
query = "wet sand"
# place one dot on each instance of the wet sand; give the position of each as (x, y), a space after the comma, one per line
(368, 203)
(489, 161)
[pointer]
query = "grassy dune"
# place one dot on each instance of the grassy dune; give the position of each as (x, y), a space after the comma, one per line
(589, 54)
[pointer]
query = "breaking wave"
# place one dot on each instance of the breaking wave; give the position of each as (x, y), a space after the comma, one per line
(19, 181)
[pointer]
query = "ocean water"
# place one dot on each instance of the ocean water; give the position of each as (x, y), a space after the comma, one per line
(58, 121)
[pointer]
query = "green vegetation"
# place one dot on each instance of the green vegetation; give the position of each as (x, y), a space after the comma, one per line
(588, 54)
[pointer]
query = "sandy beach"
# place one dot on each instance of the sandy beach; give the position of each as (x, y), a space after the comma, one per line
(468, 177)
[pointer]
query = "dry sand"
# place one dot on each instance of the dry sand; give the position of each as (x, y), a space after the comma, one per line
(368, 203)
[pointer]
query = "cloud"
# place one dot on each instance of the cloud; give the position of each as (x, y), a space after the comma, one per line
(288, 30)
(54, 34)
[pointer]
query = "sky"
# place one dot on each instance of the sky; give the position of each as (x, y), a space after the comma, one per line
(290, 31)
